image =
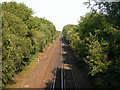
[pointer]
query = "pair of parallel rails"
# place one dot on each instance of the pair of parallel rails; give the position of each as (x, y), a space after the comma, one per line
(63, 79)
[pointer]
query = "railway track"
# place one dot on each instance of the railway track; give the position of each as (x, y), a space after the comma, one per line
(63, 76)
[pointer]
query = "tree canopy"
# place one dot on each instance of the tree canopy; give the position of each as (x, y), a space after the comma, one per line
(23, 36)
(95, 41)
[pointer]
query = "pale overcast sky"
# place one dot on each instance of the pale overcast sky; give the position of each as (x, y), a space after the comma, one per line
(60, 12)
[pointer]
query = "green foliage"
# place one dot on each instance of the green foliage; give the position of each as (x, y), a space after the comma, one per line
(96, 44)
(23, 36)
(20, 10)
(41, 26)
(90, 23)
(97, 57)
(16, 45)
(110, 9)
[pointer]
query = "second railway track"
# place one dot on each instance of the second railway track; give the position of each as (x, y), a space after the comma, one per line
(63, 76)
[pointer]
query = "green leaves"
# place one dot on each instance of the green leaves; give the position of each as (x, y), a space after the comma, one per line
(15, 24)
(16, 45)
(20, 10)
(23, 36)
(97, 58)
(97, 45)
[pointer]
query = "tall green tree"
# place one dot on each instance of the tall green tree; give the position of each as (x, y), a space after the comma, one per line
(23, 36)
(96, 44)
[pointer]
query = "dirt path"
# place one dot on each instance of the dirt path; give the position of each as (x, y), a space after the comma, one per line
(42, 74)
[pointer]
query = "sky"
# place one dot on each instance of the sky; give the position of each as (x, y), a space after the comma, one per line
(60, 12)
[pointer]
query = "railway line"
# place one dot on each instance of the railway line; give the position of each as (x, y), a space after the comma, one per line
(63, 75)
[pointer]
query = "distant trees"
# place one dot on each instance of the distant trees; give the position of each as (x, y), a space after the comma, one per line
(23, 36)
(95, 41)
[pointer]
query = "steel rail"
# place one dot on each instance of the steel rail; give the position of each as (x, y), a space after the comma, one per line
(62, 76)
(63, 71)
(62, 81)
(73, 76)
(52, 86)
(54, 78)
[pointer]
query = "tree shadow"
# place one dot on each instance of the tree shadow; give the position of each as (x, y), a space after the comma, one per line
(57, 81)
(71, 66)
